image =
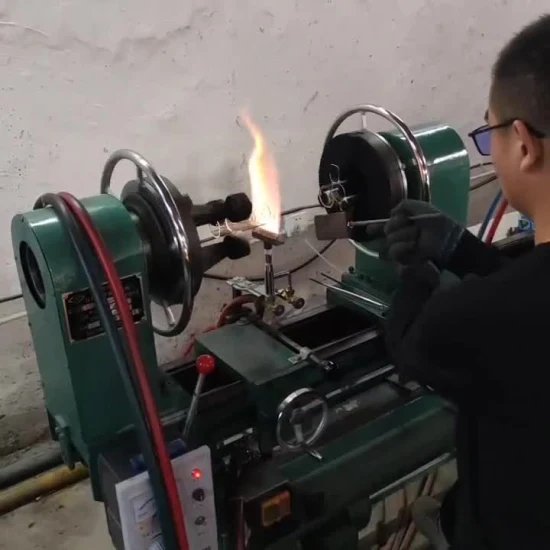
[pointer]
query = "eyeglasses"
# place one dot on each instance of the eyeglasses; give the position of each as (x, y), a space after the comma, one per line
(482, 135)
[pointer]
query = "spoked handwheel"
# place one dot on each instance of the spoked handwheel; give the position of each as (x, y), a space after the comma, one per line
(158, 201)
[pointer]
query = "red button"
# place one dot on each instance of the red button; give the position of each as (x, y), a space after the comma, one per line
(196, 474)
(205, 364)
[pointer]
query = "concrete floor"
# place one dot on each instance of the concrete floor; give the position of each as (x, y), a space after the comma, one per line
(67, 520)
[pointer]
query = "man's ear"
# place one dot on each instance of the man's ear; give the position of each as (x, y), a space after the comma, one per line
(530, 147)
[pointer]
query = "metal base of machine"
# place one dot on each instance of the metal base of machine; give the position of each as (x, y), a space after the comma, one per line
(333, 484)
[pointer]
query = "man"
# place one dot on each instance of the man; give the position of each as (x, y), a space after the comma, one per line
(484, 342)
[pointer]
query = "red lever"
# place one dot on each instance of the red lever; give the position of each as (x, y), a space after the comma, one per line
(206, 364)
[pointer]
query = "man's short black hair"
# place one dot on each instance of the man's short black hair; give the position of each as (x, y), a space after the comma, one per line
(521, 77)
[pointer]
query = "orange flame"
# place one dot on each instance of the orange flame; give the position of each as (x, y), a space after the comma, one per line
(264, 182)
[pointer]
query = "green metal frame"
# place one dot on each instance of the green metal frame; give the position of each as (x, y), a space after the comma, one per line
(84, 394)
(420, 430)
(251, 355)
(449, 168)
(378, 453)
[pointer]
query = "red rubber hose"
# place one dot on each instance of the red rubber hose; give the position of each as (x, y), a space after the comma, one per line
(128, 327)
(411, 529)
(191, 344)
(496, 221)
(394, 540)
(236, 302)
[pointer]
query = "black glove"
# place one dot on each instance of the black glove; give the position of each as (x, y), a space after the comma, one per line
(410, 241)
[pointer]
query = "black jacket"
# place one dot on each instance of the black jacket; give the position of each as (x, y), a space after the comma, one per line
(484, 344)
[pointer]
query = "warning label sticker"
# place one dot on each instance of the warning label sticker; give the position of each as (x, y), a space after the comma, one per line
(81, 310)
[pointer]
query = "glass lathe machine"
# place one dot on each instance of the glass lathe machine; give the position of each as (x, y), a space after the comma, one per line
(279, 434)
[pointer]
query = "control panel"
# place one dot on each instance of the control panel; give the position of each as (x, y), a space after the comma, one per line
(138, 515)
(197, 495)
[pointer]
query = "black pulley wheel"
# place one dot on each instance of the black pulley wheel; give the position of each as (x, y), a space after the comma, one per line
(361, 174)
(164, 264)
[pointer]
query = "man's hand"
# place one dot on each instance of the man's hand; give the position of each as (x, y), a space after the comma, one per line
(412, 239)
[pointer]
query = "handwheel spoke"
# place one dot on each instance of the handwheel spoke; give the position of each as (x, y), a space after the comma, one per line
(299, 434)
(170, 318)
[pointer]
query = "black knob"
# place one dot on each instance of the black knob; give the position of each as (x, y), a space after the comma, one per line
(238, 207)
(201, 520)
(210, 212)
(231, 247)
(235, 208)
(198, 495)
(235, 247)
(329, 366)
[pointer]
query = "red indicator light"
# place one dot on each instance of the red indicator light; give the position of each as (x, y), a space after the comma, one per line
(196, 474)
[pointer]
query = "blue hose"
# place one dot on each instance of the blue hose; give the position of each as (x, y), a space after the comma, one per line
(489, 215)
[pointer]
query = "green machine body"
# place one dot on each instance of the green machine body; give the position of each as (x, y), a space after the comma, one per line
(86, 403)
(263, 373)
(151, 233)
(366, 174)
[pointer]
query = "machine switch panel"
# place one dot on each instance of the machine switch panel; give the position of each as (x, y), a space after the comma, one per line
(140, 527)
